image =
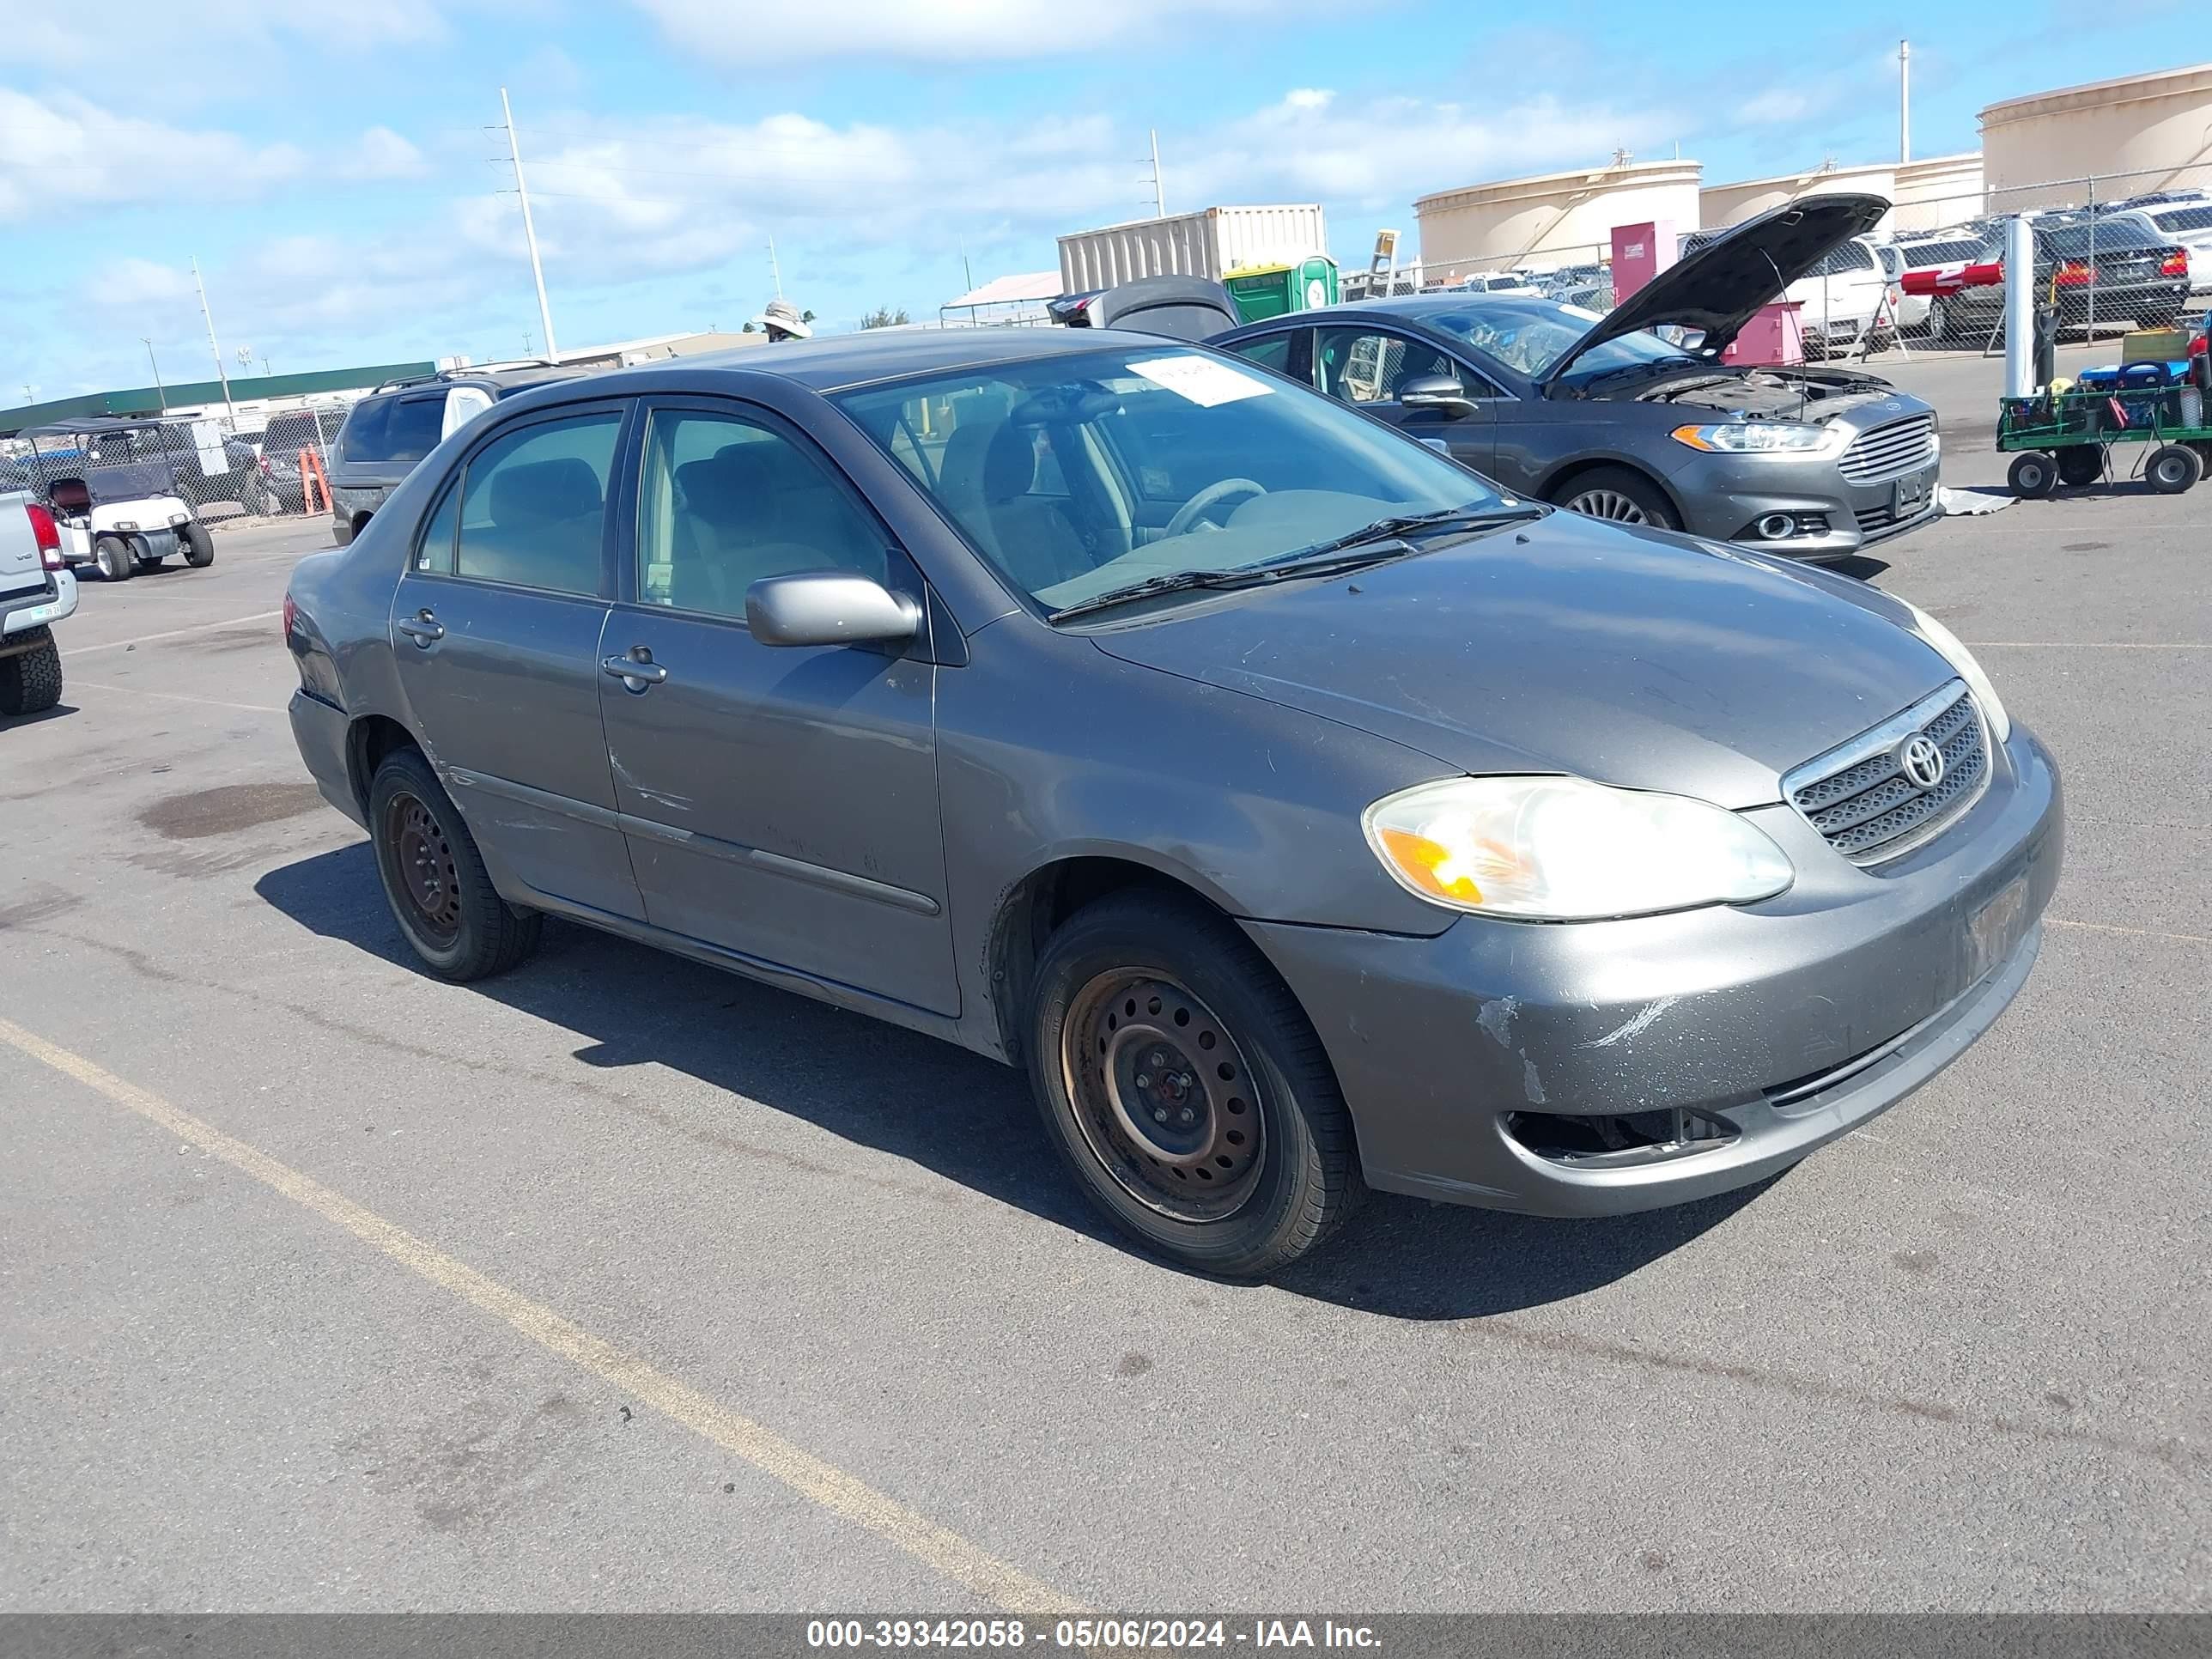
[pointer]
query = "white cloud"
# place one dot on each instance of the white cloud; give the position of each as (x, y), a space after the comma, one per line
(944, 32)
(380, 153)
(182, 49)
(65, 147)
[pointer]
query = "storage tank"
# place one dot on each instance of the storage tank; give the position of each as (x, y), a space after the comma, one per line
(1720, 206)
(1550, 219)
(2040, 151)
(1212, 242)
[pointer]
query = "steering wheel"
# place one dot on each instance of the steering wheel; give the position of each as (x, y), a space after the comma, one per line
(1211, 496)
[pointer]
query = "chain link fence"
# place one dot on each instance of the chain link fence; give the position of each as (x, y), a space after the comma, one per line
(218, 467)
(2114, 252)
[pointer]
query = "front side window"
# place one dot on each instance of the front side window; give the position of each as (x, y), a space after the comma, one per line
(1169, 460)
(724, 501)
(533, 505)
(1365, 366)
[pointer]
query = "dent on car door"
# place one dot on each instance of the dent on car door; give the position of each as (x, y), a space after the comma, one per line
(780, 802)
(495, 629)
(1365, 367)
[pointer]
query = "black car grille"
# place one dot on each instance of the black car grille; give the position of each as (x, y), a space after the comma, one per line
(1860, 798)
(1890, 452)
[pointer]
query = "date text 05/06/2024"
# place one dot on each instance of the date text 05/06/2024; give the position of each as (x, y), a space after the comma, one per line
(1165, 1635)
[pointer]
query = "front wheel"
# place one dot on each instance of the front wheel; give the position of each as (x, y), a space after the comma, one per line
(2080, 463)
(435, 879)
(1186, 1089)
(2032, 475)
(114, 556)
(2174, 468)
(1615, 493)
(199, 545)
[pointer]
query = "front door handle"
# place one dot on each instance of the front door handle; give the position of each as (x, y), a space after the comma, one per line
(425, 630)
(635, 672)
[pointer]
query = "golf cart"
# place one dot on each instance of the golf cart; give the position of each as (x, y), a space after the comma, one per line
(112, 486)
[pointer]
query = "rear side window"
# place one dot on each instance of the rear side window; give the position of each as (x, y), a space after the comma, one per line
(415, 426)
(2189, 218)
(533, 505)
(365, 436)
(1273, 352)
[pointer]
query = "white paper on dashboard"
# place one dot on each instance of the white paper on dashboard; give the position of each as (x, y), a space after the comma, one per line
(1201, 380)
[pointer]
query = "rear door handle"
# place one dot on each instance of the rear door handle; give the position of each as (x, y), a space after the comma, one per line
(425, 630)
(635, 672)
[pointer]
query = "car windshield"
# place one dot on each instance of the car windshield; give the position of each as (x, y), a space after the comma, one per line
(1078, 474)
(2188, 218)
(1531, 335)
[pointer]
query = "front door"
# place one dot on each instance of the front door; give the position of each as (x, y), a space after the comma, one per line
(1365, 368)
(495, 629)
(779, 801)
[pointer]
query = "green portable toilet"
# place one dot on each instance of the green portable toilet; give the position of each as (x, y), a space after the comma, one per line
(1261, 291)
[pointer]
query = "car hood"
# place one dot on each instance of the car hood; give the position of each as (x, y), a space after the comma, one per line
(1624, 656)
(1721, 286)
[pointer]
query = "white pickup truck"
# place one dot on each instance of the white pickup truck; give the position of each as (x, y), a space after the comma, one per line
(37, 590)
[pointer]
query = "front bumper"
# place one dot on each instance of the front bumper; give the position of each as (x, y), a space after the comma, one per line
(40, 607)
(1724, 497)
(1789, 1021)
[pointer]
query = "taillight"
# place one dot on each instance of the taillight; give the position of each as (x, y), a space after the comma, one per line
(47, 534)
(291, 616)
(2074, 274)
(2175, 264)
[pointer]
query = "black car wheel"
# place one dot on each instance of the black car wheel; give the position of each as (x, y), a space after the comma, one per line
(31, 681)
(2080, 463)
(2174, 468)
(199, 545)
(1186, 1089)
(2032, 474)
(435, 879)
(1939, 327)
(1615, 493)
(114, 556)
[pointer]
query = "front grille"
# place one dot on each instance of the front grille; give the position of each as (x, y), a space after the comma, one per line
(1890, 452)
(1860, 798)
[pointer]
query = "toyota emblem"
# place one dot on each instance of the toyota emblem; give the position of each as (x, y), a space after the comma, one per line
(1920, 760)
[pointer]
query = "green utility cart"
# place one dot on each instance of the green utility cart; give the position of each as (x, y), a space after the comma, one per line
(2065, 437)
(1262, 291)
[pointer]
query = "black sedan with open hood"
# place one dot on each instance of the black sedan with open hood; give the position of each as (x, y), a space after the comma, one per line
(1633, 416)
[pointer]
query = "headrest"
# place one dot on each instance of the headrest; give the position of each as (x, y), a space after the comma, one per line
(1010, 464)
(543, 492)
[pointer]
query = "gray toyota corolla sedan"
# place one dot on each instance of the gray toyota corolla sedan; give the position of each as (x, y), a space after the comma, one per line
(1301, 811)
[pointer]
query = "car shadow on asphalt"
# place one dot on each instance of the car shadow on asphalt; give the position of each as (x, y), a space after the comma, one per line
(60, 711)
(968, 1118)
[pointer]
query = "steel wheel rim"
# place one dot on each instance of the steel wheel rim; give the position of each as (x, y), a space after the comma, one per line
(428, 877)
(1608, 504)
(1163, 1095)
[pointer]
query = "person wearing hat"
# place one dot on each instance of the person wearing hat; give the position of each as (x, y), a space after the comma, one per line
(782, 321)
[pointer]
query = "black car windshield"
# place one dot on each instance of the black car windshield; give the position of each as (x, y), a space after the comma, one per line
(1077, 474)
(1530, 335)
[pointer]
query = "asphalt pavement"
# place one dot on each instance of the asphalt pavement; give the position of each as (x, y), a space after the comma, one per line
(618, 1283)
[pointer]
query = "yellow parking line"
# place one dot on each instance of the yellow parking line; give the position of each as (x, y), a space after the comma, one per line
(172, 634)
(2090, 645)
(2132, 933)
(175, 696)
(946, 1552)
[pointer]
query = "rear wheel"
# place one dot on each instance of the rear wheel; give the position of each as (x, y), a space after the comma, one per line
(1186, 1088)
(199, 545)
(2032, 474)
(2174, 468)
(114, 556)
(2080, 463)
(435, 879)
(31, 681)
(1615, 493)
(1939, 327)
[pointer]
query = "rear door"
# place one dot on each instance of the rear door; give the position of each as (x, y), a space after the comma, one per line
(495, 632)
(1365, 364)
(780, 802)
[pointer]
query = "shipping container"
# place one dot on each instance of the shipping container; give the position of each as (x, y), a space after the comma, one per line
(1212, 242)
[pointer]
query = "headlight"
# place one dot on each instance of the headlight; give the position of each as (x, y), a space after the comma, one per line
(1758, 438)
(1563, 849)
(126, 524)
(1946, 645)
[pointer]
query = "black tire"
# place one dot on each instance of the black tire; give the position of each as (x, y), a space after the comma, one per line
(1618, 495)
(31, 681)
(114, 556)
(199, 544)
(2080, 463)
(151, 562)
(1289, 1126)
(447, 907)
(2032, 475)
(1939, 327)
(2173, 469)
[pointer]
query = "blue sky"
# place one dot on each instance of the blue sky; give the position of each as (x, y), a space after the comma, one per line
(337, 172)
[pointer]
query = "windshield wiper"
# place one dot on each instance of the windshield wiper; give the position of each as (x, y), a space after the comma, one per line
(1402, 524)
(1300, 568)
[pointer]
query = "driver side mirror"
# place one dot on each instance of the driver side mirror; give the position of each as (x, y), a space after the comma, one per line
(828, 607)
(1440, 393)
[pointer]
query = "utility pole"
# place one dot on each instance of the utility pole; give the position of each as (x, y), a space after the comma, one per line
(200, 283)
(1160, 195)
(1905, 100)
(529, 227)
(160, 391)
(774, 271)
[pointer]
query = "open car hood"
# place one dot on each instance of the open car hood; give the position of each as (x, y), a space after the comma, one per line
(1721, 287)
